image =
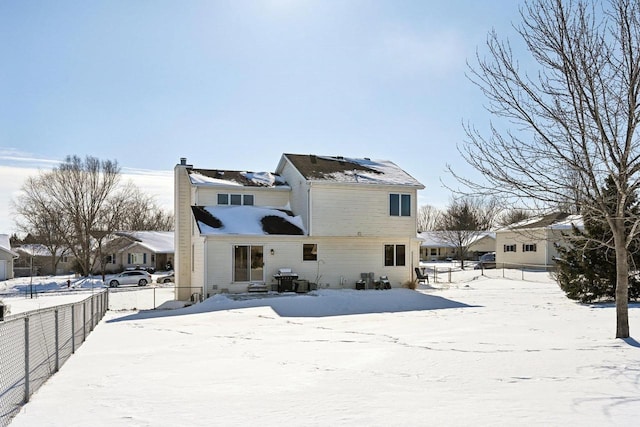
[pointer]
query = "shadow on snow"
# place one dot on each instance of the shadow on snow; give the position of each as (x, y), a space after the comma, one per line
(322, 303)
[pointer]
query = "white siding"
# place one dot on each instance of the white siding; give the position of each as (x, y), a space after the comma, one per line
(299, 193)
(340, 260)
(486, 244)
(262, 196)
(198, 272)
(543, 239)
(6, 259)
(359, 210)
(183, 230)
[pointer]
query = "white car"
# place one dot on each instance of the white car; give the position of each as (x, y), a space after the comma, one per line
(169, 278)
(133, 277)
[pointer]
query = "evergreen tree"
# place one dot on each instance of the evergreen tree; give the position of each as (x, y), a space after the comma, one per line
(587, 268)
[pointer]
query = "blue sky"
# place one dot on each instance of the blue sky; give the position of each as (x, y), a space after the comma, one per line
(234, 84)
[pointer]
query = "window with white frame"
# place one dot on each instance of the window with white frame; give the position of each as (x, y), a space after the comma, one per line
(529, 247)
(399, 204)
(137, 258)
(510, 248)
(235, 199)
(394, 255)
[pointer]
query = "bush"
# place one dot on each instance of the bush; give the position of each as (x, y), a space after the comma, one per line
(410, 284)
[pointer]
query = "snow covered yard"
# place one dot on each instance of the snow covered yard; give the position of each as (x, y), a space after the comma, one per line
(25, 294)
(476, 352)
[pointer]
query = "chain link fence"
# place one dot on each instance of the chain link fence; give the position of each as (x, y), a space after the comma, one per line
(35, 344)
(526, 272)
(150, 298)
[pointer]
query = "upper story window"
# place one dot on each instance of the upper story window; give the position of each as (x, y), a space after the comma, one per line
(509, 248)
(399, 204)
(529, 247)
(235, 199)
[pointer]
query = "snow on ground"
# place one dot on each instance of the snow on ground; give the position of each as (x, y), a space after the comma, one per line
(25, 294)
(479, 351)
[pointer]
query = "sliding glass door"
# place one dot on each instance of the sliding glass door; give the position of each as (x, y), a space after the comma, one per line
(248, 263)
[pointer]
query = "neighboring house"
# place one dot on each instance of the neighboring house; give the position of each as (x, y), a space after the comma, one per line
(327, 219)
(139, 249)
(38, 260)
(435, 247)
(532, 242)
(481, 243)
(6, 258)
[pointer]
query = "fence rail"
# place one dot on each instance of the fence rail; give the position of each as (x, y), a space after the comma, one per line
(35, 344)
(529, 272)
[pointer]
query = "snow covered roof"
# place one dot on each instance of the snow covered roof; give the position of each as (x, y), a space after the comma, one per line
(481, 235)
(438, 239)
(434, 239)
(160, 242)
(5, 245)
(247, 220)
(214, 177)
(37, 249)
(351, 170)
(556, 221)
(568, 223)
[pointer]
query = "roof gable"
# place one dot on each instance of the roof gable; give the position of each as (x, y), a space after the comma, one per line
(5, 245)
(350, 170)
(161, 242)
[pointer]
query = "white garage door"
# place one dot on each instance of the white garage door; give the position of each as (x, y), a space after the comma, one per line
(3, 270)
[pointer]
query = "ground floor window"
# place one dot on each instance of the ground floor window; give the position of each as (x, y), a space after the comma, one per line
(137, 258)
(310, 252)
(394, 255)
(248, 263)
(509, 248)
(529, 247)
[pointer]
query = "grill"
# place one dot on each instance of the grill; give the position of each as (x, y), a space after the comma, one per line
(285, 278)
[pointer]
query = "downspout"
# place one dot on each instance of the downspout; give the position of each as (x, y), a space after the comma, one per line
(309, 207)
(546, 249)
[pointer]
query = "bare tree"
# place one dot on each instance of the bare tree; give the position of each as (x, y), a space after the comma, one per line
(70, 203)
(142, 213)
(512, 216)
(428, 218)
(574, 120)
(35, 218)
(80, 203)
(465, 220)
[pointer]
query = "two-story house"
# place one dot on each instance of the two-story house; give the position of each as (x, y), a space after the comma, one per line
(327, 219)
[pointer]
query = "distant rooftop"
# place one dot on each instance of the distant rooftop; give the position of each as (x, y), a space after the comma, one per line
(161, 242)
(556, 220)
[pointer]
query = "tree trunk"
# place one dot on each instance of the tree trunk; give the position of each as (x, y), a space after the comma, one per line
(622, 283)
